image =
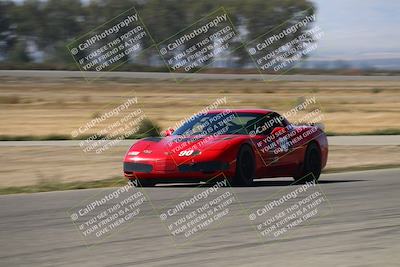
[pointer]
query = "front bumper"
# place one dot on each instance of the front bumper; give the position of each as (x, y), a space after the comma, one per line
(168, 169)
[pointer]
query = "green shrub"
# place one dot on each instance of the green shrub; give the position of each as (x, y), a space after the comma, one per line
(149, 128)
(376, 90)
(13, 99)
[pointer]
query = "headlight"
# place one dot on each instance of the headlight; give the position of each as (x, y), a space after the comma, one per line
(133, 153)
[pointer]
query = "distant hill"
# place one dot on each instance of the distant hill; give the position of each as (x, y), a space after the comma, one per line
(364, 64)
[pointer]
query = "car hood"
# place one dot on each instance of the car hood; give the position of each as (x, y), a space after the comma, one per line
(175, 144)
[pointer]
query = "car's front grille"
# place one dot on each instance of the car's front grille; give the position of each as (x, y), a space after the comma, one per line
(164, 165)
(137, 167)
(209, 166)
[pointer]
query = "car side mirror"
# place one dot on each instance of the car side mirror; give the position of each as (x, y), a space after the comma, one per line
(169, 132)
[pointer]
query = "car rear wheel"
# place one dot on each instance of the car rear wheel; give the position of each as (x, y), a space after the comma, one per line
(311, 169)
(245, 166)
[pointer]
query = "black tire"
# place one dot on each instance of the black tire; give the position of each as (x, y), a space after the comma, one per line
(311, 169)
(245, 167)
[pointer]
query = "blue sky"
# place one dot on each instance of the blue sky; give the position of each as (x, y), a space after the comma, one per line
(358, 29)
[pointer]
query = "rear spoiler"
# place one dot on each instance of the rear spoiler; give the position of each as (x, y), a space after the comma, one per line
(317, 124)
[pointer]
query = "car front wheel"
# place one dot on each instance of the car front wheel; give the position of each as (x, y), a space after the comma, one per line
(245, 166)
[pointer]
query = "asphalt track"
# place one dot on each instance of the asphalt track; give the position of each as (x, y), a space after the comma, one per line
(361, 229)
(191, 76)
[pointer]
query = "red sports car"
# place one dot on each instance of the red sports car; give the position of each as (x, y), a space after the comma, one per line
(240, 145)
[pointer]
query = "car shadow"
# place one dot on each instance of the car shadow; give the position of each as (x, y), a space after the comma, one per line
(291, 182)
(266, 183)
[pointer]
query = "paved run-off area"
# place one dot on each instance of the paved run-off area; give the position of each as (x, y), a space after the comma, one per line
(361, 229)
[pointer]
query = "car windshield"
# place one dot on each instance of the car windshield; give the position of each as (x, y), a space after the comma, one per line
(227, 122)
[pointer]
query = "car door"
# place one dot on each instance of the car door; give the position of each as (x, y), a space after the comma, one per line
(274, 144)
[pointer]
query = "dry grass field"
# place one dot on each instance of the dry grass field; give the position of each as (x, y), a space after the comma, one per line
(38, 107)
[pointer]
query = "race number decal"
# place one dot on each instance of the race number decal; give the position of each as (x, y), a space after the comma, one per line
(186, 153)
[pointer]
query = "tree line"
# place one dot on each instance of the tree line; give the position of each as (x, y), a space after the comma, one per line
(37, 31)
